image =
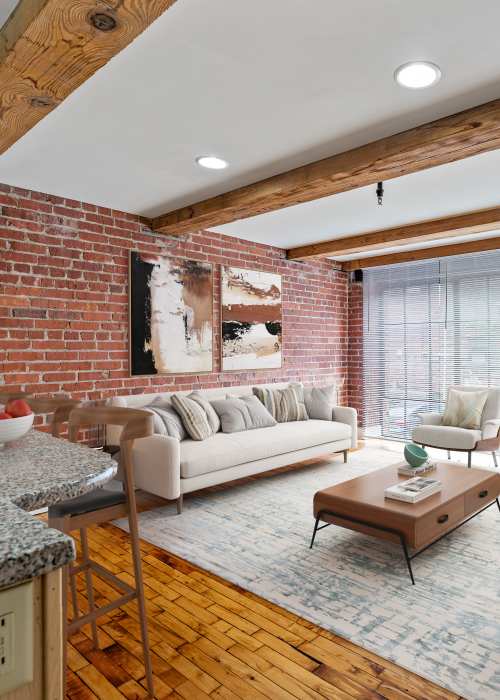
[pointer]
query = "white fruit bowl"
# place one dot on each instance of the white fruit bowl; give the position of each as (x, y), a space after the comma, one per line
(14, 428)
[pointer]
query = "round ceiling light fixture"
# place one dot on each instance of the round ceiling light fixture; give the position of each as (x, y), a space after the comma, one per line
(417, 74)
(212, 162)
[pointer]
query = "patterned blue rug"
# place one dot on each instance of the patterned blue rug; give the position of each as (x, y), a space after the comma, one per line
(446, 628)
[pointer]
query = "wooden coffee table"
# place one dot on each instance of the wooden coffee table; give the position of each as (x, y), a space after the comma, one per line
(359, 504)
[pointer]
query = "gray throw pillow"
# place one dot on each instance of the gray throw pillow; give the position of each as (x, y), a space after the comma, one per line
(244, 413)
(319, 400)
(158, 425)
(213, 418)
(193, 417)
(166, 419)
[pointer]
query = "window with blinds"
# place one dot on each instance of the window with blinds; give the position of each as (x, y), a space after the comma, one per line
(427, 325)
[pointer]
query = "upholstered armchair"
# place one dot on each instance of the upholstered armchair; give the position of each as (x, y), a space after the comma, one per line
(432, 433)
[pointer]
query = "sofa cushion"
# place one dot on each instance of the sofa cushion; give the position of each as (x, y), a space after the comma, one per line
(284, 405)
(222, 450)
(446, 437)
(193, 417)
(245, 413)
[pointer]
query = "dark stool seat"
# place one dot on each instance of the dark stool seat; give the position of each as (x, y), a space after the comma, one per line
(89, 502)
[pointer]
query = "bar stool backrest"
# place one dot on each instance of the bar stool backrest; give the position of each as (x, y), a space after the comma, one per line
(59, 407)
(135, 423)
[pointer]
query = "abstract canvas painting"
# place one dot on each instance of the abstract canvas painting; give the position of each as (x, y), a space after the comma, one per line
(171, 315)
(251, 319)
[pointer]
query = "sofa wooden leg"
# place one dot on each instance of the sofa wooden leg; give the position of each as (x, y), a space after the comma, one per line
(345, 456)
(494, 455)
(179, 505)
(469, 459)
(449, 454)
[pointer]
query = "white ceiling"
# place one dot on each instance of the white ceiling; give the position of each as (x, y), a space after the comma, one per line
(473, 183)
(269, 86)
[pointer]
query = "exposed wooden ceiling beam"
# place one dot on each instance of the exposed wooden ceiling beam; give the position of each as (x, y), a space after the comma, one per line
(452, 138)
(471, 222)
(48, 48)
(442, 251)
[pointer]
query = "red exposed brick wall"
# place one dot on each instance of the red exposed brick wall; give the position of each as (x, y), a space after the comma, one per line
(64, 304)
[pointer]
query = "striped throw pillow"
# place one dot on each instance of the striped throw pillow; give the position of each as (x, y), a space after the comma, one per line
(285, 405)
(193, 417)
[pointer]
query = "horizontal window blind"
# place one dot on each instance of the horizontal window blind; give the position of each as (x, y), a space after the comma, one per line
(427, 325)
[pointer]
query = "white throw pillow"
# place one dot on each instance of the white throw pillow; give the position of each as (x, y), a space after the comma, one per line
(464, 409)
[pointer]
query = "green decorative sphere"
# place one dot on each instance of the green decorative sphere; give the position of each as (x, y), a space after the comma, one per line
(415, 455)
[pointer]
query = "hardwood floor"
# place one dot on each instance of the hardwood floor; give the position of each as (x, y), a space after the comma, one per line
(210, 639)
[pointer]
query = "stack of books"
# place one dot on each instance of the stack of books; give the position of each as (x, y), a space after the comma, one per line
(413, 490)
(405, 469)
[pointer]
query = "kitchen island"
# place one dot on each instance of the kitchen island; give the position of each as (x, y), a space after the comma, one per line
(36, 472)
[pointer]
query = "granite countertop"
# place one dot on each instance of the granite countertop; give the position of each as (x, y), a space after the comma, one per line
(38, 471)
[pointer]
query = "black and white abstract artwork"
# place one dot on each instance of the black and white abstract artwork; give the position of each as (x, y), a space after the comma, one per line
(171, 315)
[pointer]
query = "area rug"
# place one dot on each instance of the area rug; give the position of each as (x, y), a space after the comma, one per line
(256, 534)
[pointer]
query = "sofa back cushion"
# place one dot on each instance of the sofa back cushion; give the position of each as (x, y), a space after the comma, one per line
(193, 417)
(285, 405)
(243, 413)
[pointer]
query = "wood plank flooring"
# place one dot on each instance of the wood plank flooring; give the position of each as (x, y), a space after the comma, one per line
(211, 639)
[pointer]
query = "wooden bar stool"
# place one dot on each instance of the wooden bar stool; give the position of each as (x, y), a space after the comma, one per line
(101, 506)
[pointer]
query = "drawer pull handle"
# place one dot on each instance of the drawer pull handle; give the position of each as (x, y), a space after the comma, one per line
(442, 519)
(483, 494)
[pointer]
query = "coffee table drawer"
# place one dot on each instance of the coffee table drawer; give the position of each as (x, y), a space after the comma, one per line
(481, 495)
(435, 524)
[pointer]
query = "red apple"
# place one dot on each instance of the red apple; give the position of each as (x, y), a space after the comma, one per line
(18, 408)
(4, 415)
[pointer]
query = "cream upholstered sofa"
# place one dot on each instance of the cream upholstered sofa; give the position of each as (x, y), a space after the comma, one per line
(169, 468)
(432, 433)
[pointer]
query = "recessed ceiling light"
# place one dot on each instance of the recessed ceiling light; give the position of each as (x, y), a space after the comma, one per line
(417, 74)
(212, 162)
